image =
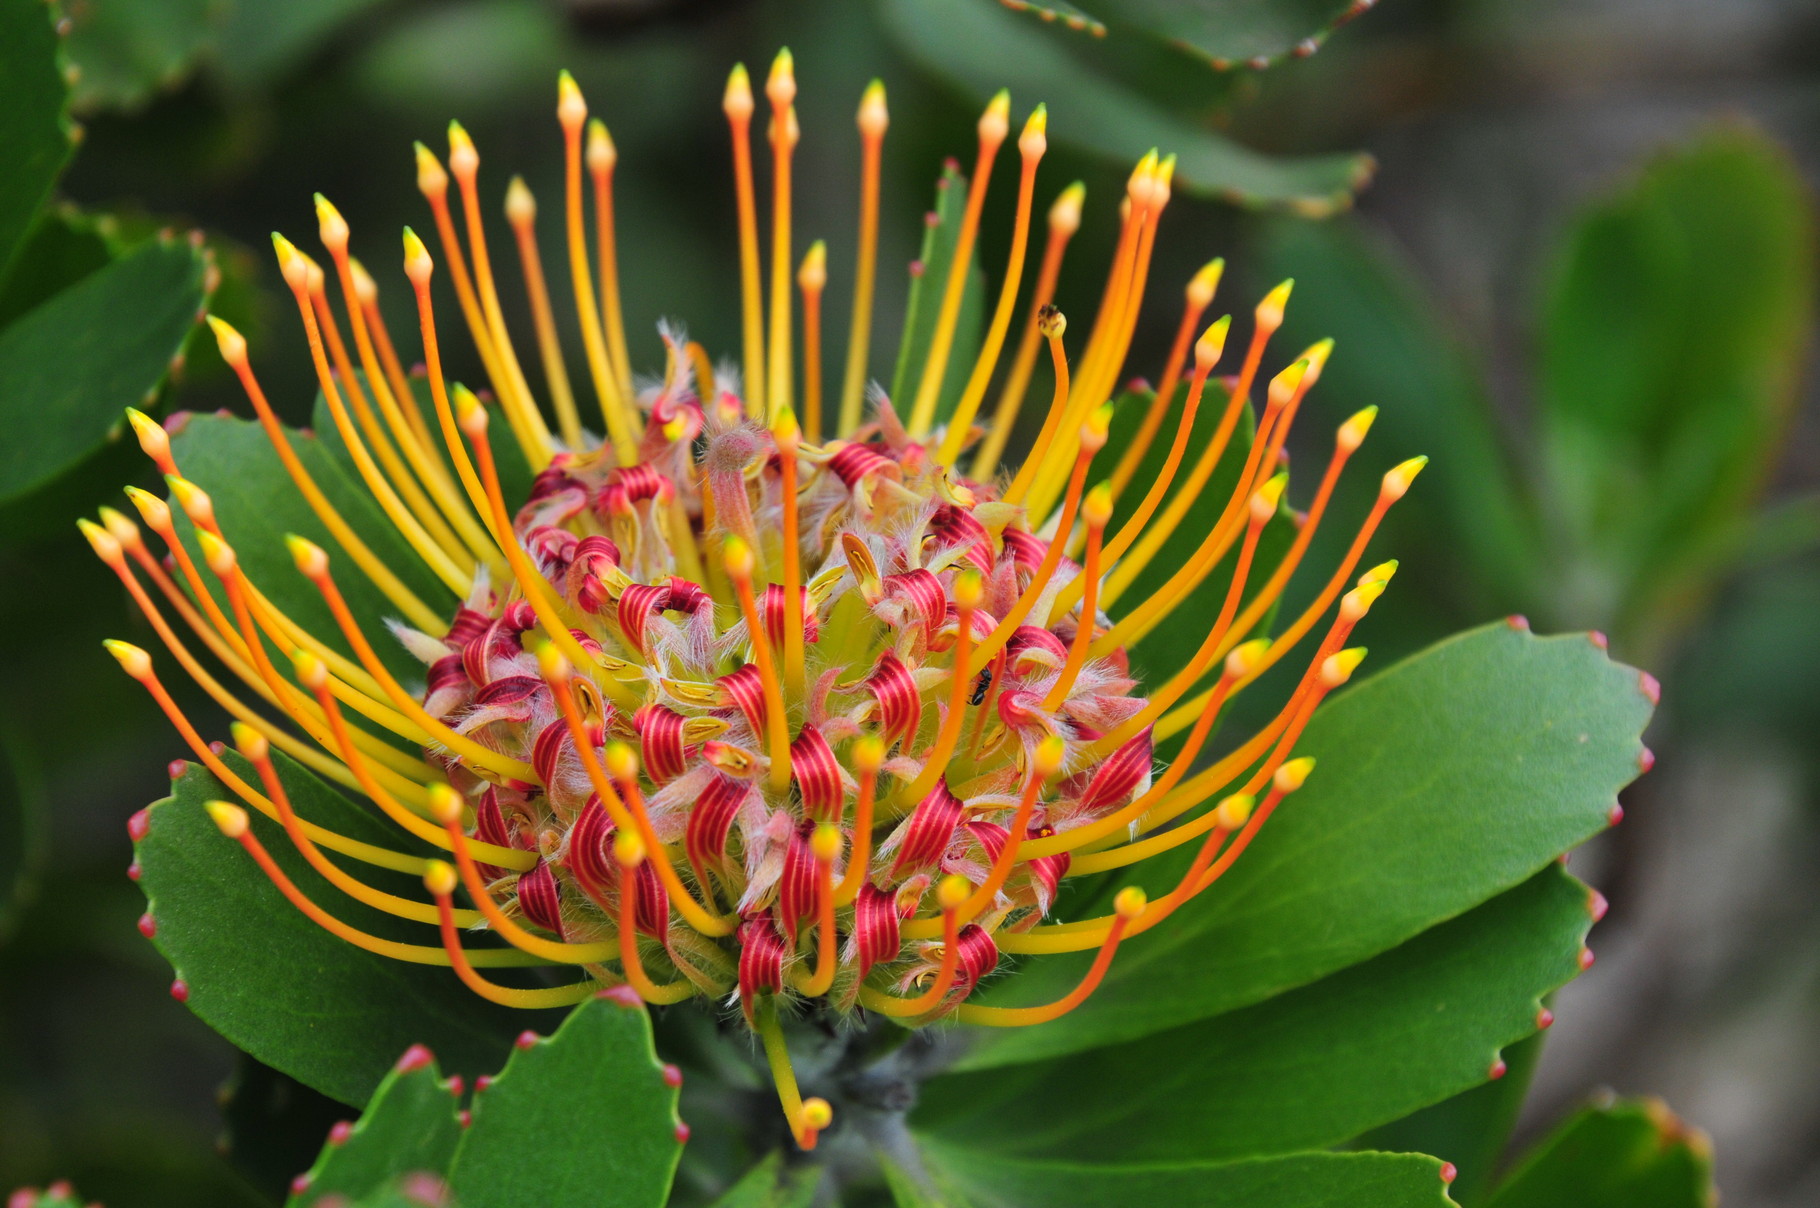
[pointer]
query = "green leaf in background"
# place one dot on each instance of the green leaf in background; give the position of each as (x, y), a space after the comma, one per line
(1303, 1070)
(1392, 351)
(771, 1184)
(272, 1126)
(1471, 1129)
(263, 39)
(127, 50)
(57, 1195)
(1304, 1180)
(70, 366)
(1633, 1153)
(980, 47)
(587, 1116)
(21, 828)
(410, 1124)
(274, 983)
(35, 132)
(1674, 336)
(64, 246)
(927, 286)
(256, 504)
(1440, 782)
(1225, 32)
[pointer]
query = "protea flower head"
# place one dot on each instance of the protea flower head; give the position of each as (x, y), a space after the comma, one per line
(771, 703)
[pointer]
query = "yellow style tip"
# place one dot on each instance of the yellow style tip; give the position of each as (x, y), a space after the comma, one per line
(867, 753)
(1397, 480)
(785, 429)
(194, 501)
(780, 85)
(1093, 432)
(228, 817)
(552, 663)
(737, 557)
(106, 547)
(995, 122)
(824, 843)
(1284, 385)
(218, 554)
(1049, 755)
(1130, 903)
(737, 102)
(1096, 509)
(816, 1115)
(1065, 213)
(470, 416)
(331, 226)
(1233, 812)
(521, 207)
(248, 741)
(1383, 572)
(1246, 656)
(417, 262)
(292, 264)
(311, 671)
(444, 803)
(812, 277)
(1292, 775)
(464, 157)
(874, 116)
(1352, 433)
(132, 659)
(1205, 283)
(1336, 669)
(150, 433)
(439, 877)
(953, 890)
(602, 153)
(969, 589)
(1270, 311)
(628, 849)
(1212, 345)
(310, 558)
(432, 181)
(1265, 499)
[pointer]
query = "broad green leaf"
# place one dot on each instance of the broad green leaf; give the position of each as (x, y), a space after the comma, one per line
(594, 1106)
(928, 285)
(1440, 782)
(933, 1188)
(35, 132)
(1225, 32)
(275, 984)
(256, 504)
(262, 42)
(771, 1184)
(980, 48)
(127, 52)
(410, 1124)
(1303, 1070)
(1674, 337)
(419, 1190)
(1303, 1180)
(1392, 350)
(1469, 1130)
(68, 368)
(64, 246)
(1631, 1154)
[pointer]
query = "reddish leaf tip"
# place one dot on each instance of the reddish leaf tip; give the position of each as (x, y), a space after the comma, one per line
(1544, 1019)
(1650, 686)
(682, 1133)
(148, 926)
(340, 1131)
(1498, 1070)
(456, 1085)
(180, 990)
(1596, 905)
(176, 768)
(482, 1083)
(1614, 815)
(218, 747)
(139, 824)
(625, 996)
(526, 1039)
(1598, 639)
(672, 1076)
(465, 1117)
(1646, 759)
(301, 1183)
(415, 1058)
(133, 871)
(1449, 1172)
(1517, 621)
(1586, 959)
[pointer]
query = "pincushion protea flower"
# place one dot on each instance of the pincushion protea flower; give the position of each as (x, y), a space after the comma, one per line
(747, 702)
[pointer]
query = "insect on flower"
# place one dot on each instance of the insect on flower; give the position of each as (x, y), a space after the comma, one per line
(746, 701)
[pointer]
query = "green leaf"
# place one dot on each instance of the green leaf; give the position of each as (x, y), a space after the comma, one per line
(1471, 1129)
(1224, 32)
(592, 1109)
(1392, 349)
(256, 504)
(771, 1184)
(1440, 782)
(69, 368)
(979, 47)
(1631, 1154)
(22, 829)
(35, 133)
(127, 52)
(1303, 1180)
(410, 1124)
(331, 1015)
(64, 246)
(262, 42)
(1303, 1070)
(1674, 337)
(928, 284)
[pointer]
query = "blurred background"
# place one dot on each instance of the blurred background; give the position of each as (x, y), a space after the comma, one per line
(1567, 246)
